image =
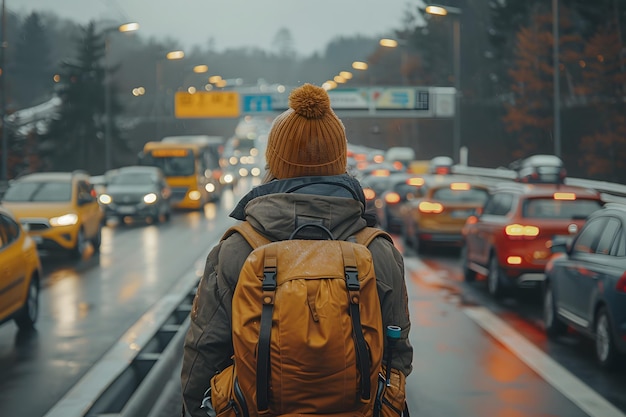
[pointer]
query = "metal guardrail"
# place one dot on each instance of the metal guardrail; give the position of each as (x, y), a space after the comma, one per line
(610, 191)
(128, 380)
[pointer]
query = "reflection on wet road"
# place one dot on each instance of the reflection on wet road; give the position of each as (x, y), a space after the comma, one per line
(87, 305)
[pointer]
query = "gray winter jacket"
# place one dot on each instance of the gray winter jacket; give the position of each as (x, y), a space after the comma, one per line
(275, 210)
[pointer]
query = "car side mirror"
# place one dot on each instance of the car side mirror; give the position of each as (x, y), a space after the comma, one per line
(84, 200)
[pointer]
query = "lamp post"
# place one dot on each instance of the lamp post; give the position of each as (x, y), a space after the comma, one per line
(5, 136)
(126, 27)
(556, 79)
(392, 43)
(169, 56)
(456, 41)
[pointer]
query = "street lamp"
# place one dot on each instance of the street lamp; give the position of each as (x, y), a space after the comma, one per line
(555, 78)
(158, 103)
(126, 27)
(392, 43)
(439, 10)
(5, 146)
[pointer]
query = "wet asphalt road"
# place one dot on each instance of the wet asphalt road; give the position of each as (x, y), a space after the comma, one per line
(473, 356)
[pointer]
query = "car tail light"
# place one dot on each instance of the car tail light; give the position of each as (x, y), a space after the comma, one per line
(392, 198)
(519, 231)
(621, 283)
(564, 196)
(442, 170)
(514, 260)
(430, 207)
(416, 181)
(380, 173)
(459, 186)
(398, 165)
(369, 193)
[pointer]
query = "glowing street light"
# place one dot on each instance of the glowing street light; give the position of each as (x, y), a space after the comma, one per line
(439, 10)
(126, 27)
(360, 65)
(174, 55)
(388, 43)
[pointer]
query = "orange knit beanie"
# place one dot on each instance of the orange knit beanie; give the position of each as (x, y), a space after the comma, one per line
(307, 139)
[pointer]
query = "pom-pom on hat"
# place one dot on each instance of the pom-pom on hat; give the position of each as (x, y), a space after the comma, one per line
(307, 139)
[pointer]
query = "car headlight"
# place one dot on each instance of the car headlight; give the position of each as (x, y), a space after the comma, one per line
(150, 198)
(194, 195)
(105, 199)
(65, 220)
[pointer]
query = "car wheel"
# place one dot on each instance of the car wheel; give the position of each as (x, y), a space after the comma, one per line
(553, 326)
(81, 245)
(96, 241)
(27, 316)
(468, 274)
(494, 278)
(606, 351)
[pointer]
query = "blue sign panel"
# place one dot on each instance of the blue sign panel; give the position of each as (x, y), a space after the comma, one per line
(257, 103)
(400, 98)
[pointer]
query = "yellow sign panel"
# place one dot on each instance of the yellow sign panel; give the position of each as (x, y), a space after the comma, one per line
(206, 104)
(164, 153)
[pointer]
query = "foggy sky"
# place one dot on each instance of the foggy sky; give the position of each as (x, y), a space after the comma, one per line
(236, 23)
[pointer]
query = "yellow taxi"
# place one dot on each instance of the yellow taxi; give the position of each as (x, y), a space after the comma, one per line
(59, 210)
(438, 217)
(20, 272)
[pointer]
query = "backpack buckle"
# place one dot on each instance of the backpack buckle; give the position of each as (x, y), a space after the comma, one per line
(269, 279)
(352, 278)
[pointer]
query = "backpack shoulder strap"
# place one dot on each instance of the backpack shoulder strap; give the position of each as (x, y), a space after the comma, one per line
(366, 235)
(245, 229)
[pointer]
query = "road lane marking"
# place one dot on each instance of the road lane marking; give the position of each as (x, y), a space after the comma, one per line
(560, 378)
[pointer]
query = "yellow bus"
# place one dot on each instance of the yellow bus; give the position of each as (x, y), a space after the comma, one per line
(191, 167)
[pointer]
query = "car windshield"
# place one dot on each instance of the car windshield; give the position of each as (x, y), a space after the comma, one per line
(39, 191)
(173, 166)
(472, 195)
(133, 178)
(549, 208)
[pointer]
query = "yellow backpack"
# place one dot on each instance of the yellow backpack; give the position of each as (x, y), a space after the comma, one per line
(307, 329)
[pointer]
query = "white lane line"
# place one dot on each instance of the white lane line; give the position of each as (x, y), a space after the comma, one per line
(427, 274)
(557, 376)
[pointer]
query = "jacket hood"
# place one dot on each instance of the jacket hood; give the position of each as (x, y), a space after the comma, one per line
(277, 208)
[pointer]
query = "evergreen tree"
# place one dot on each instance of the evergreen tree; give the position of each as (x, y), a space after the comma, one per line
(32, 71)
(76, 136)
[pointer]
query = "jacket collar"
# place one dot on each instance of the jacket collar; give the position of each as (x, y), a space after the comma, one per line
(331, 185)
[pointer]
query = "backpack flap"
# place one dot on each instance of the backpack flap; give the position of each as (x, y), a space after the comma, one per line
(312, 363)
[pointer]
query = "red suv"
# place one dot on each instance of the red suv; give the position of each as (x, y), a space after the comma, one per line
(509, 240)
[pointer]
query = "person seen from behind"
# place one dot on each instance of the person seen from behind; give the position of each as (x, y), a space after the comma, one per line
(306, 180)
